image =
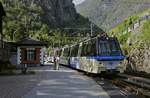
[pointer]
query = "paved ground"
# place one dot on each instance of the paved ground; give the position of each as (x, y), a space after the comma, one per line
(17, 85)
(66, 83)
(47, 83)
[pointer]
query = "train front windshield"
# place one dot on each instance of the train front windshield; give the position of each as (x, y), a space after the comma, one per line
(109, 47)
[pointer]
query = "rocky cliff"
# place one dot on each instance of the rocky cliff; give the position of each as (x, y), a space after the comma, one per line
(58, 12)
(62, 13)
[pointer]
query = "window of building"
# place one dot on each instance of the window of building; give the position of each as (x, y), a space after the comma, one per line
(31, 54)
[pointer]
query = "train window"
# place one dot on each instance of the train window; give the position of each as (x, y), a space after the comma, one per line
(104, 48)
(89, 48)
(93, 48)
(65, 54)
(74, 51)
(115, 48)
(84, 49)
(69, 51)
(114, 45)
(109, 48)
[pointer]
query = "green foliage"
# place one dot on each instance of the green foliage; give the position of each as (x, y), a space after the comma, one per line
(145, 35)
(22, 21)
(123, 38)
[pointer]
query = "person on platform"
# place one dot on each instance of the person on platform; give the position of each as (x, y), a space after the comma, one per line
(56, 62)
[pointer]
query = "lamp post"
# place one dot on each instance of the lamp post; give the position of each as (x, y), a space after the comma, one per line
(14, 35)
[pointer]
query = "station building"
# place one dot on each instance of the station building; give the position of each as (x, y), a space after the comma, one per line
(30, 52)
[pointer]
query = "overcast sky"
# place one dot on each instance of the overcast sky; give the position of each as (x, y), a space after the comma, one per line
(78, 1)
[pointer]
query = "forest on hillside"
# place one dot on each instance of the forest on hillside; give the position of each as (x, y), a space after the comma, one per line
(25, 18)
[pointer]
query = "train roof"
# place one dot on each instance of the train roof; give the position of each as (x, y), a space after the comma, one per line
(104, 36)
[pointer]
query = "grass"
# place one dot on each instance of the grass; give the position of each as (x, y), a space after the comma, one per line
(15, 72)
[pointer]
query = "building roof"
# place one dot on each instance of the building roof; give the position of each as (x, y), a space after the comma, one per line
(31, 42)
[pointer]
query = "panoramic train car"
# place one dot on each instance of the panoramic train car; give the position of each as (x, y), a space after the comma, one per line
(95, 55)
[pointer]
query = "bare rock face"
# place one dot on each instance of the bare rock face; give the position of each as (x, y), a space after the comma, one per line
(63, 14)
(58, 12)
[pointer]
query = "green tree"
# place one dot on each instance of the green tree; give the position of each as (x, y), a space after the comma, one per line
(22, 21)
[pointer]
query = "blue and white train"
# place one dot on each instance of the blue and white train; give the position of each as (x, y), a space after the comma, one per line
(95, 55)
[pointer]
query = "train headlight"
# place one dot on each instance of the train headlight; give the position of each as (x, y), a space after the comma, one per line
(120, 65)
(101, 64)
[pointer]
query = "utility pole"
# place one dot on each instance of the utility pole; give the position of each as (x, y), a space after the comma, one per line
(2, 14)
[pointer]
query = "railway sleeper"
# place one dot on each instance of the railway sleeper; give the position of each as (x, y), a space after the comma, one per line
(138, 84)
(128, 87)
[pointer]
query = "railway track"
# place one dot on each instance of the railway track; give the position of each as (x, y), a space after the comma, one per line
(139, 74)
(128, 84)
(137, 85)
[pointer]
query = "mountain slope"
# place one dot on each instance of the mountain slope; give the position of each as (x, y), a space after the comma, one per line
(38, 18)
(109, 13)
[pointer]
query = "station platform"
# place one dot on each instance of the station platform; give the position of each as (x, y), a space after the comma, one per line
(65, 83)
